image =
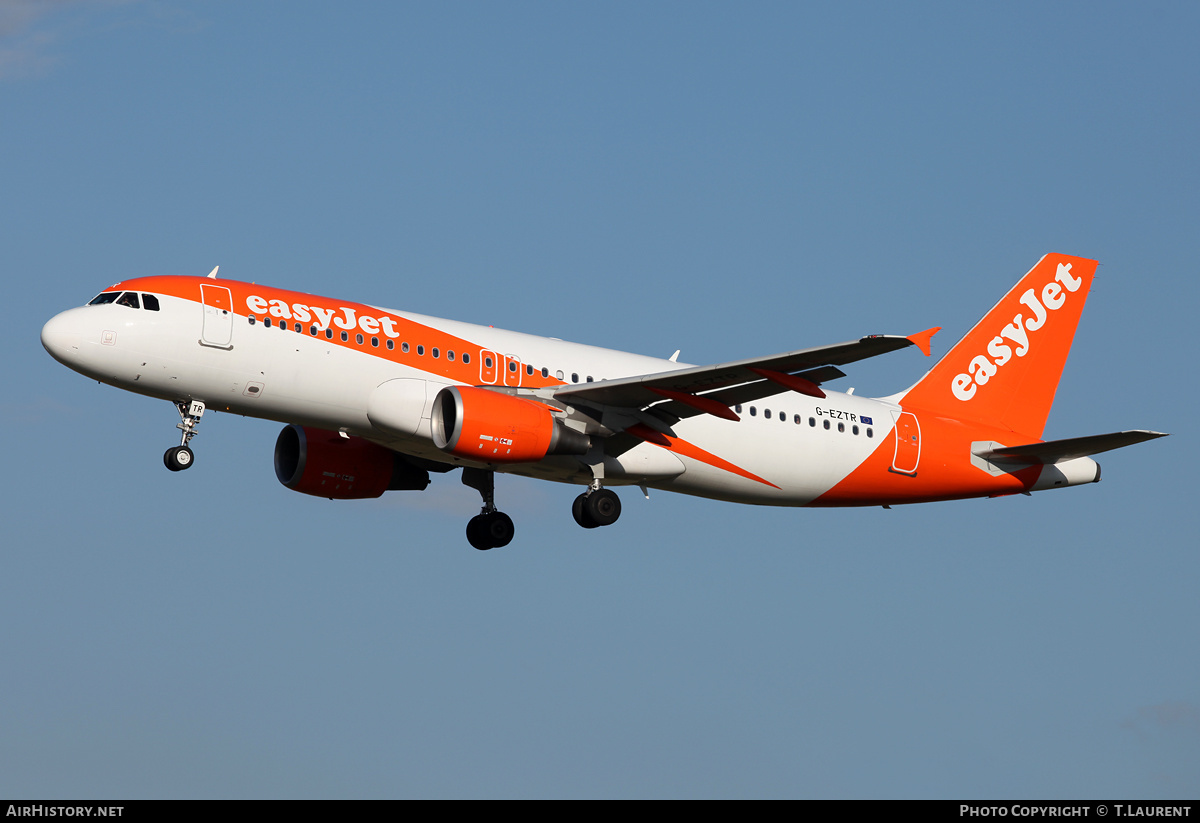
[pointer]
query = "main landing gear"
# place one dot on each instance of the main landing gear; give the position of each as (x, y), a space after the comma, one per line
(181, 457)
(490, 529)
(596, 507)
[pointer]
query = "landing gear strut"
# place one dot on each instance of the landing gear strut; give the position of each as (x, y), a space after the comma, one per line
(596, 507)
(490, 529)
(181, 457)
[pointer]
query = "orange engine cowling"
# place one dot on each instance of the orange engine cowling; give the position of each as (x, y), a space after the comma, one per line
(325, 464)
(493, 427)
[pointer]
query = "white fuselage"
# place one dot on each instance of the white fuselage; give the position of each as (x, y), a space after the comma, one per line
(434, 394)
(786, 450)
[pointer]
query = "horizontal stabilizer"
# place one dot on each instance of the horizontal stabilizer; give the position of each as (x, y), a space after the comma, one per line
(1059, 451)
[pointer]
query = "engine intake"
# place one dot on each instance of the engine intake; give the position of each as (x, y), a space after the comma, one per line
(493, 427)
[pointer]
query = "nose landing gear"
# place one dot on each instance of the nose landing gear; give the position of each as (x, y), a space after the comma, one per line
(178, 458)
(181, 457)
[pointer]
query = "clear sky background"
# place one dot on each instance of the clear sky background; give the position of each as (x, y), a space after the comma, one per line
(727, 179)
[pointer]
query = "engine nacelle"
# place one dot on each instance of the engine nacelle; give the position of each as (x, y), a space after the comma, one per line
(493, 427)
(325, 464)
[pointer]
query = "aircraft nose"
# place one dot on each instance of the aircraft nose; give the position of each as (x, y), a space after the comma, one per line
(61, 337)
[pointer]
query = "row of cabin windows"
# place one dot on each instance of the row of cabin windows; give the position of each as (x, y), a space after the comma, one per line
(126, 298)
(812, 421)
(513, 365)
(358, 338)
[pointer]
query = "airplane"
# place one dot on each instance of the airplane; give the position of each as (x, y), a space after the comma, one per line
(376, 399)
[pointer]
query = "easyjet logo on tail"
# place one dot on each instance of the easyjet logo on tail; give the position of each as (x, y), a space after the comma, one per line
(983, 368)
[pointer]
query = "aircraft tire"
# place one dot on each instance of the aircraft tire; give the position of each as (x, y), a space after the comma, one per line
(475, 534)
(580, 513)
(490, 531)
(499, 529)
(179, 458)
(602, 507)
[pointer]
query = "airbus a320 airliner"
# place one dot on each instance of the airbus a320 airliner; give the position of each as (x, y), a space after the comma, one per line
(376, 399)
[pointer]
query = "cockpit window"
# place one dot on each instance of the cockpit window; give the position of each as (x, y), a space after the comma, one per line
(126, 298)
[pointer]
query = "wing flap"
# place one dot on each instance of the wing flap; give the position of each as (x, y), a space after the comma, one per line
(749, 392)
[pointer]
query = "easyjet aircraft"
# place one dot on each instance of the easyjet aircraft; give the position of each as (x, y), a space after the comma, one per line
(376, 399)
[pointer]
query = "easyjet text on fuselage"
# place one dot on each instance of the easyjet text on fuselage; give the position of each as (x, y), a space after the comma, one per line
(343, 317)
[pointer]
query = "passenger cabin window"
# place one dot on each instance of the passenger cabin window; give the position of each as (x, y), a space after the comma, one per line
(466, 357)
(104, 297)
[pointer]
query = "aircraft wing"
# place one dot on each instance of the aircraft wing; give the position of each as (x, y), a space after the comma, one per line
(1058, 451)
(712, 389)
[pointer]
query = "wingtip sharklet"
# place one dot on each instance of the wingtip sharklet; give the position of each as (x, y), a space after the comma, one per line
(922, 339)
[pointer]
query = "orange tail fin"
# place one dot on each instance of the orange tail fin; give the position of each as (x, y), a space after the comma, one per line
(1005, 371)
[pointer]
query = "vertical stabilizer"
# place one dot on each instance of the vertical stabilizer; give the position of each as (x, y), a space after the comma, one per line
(1005, 371)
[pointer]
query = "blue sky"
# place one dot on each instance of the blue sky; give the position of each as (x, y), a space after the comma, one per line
(726, 180)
